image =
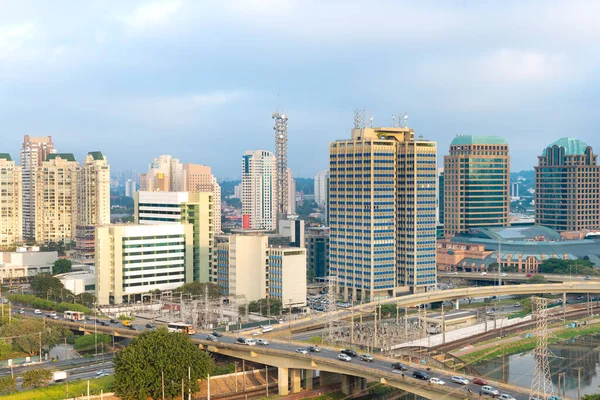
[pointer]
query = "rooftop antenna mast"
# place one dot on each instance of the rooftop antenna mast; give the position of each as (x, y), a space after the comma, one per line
(403, 120)
(281, 139)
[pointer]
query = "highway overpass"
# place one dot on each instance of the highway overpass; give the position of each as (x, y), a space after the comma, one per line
(509, 277)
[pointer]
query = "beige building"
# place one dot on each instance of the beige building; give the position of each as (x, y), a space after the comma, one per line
(287, 275)
(11, 220)
(259, 190)
(25, 262)
(134, 259)
(55, 198)
(196, 209)
(291, 198)
(199, 178)
(34, 151)
(476, 184)
(164, 175)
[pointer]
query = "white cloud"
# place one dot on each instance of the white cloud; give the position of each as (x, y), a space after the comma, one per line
(516, 65)
(148, 14)
(14, 39)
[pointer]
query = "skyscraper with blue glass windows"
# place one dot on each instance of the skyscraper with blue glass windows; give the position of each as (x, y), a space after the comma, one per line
(382, 213)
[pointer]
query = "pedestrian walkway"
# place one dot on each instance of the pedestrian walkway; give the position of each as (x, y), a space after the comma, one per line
(63, 352)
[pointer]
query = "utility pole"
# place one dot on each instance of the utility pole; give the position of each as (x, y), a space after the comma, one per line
(541, 384)
(579, 382)
(40, 335)
(375, 327)
(443, 325)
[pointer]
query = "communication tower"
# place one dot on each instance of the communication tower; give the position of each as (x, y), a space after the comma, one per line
(281, 139)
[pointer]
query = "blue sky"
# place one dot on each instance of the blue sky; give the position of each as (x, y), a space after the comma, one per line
(199, 79)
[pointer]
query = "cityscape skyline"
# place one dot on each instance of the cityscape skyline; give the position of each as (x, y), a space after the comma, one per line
(81, 77)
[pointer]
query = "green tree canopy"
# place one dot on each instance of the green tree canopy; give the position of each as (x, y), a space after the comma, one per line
(5, 349)
(591, 397)
(537, 279)
(198, 288)
(88, 342)
(8, 385)
(61, 266)
(260, 306)
(140, 366)
(37, 377)
(42, 283)
(567, 267)
(25, 334)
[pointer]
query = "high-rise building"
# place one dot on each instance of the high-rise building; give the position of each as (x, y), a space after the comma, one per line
(132, 259)
(382, 201)
(237, 191)
(164, 175)
(440, 212)
(317, 253)
(259, 190)
(11, 220)
(291, 198)
(567, 195)
(35, 150)
(281, 174)
(130, 188)
(195, 209)
(476, 184)
(56, 185)
(93, 204)
(514, 190)
(199, 178)
(292, 228)
(321, 187)
(287, 275)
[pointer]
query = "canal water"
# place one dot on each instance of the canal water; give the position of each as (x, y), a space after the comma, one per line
(580, 355)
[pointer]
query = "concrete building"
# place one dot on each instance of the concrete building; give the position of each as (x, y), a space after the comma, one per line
(196, 209)
(241, 264)
(567, 195)
(514, 191)
(130, 188)
(287, 275)
(291, 198)
(199, 178)
(133, 259)
(164, 174)
(259, 190)
(321, 187)
(34, 151)
(11, 219)
(237, 192)
(440, 212)
(79, 281)
(476, 184)
(382, 220)
(56, 211)
(317, 253)
(25, 262)
(292, 228)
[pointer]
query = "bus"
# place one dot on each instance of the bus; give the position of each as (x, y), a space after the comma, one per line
(181, 327)
(74, 315)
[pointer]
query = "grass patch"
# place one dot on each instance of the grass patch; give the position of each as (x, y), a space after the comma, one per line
(59, 391)
(224, 369)
(523, 345)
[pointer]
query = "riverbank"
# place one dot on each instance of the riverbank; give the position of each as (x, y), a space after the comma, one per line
(519, 344)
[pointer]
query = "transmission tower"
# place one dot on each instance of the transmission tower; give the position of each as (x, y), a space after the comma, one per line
(281, 139)
(331, 300)
(541, 385)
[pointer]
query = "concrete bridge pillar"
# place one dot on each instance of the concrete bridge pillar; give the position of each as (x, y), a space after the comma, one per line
(295, 380)
(282, 381)
(308, 379)
(328, 378)
(457, 304)
(353, 384)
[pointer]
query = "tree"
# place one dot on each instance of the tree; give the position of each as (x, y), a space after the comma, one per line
(260, 306)
(88, 342)
(61, 266)
(35, 378)
(42, 283)
(8, 385)
(140, 367)
(537, 279)
(198, 288)
(591, 397)
(26, 335)
(5, 349)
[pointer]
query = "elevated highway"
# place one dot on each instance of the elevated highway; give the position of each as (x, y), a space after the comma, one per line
(510, 277)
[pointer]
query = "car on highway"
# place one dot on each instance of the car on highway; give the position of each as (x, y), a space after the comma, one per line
(37, 312)
(484, 273)
(489, 391)
(21, 311)
(150, 326)
(506, 396)
(103, 323)
(114, 321)
(133, 328)
(313, 349)
(399, 366)
(366, 357)
(27, 363)
(212, 338)
(503, 274)
(422, 375)
(262, 342)
(453, 273)
(240, 340)
(460, 380)
(528, 275)
(437, 381)
(516, 305)
(101, 373)
(301, 350)
(587, 278)
(348, 352)
(479, 381)
(344, 357)
(217, 334)
(52, 316)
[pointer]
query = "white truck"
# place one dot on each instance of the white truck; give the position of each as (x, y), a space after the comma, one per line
(58, 376)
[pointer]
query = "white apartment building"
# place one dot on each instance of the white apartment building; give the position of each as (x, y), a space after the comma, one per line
(321, 187)
(11, 221)
(196, 209)
(287, 275)
(130, 188)
(93, 190)
(133, 259)
(164, 174)
(291, 198)
(259, 197)
(25, 262)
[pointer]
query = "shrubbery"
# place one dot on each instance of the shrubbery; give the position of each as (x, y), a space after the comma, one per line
(43, 304)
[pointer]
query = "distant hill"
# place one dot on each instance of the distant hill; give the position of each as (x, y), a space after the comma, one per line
(227, 187)
(305, 185)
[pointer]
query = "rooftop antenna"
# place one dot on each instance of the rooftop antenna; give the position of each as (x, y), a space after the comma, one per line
(371, 120)
(393, 121)
(403, 120)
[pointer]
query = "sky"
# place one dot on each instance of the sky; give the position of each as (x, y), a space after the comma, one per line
(199, 79)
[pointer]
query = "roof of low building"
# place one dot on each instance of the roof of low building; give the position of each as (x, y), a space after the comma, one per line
(97, 155)
(513, 233)
(477, 139)
(572, 146)
(64, 156)
(5, 156)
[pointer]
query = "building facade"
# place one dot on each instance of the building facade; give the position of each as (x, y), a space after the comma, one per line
(317, 254)
(199, 178)
(56, 211)
(134, 259)
(292, 228)
(382, 213)
(34, 151)
(196, 209)
(567, 193)
(11, 219)
(259, 190)
(291, 198)
(93, 190)
(164, 175)
(321, 187)
(130, 188)
(287, 276)
(476, 184)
